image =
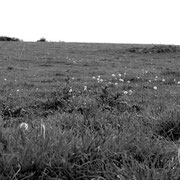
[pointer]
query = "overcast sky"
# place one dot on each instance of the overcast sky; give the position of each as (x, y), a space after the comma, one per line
(111, 21)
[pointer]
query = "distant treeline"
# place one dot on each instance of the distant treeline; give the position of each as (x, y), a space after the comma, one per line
(5, 38)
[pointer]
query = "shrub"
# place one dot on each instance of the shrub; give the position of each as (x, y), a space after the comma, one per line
(42, 40)
(5, 38)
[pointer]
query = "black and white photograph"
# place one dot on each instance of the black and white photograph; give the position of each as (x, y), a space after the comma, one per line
(89, 90)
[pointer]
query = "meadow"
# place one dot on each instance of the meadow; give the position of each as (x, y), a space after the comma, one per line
(79, 111)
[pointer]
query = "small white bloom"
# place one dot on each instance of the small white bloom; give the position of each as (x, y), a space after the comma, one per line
(122, 80)
(17, 90)
(85, 88)
(116, 84)
(130, 92)
(146, 72)
(113, 75)
(149, 80)
(101, 80)
(178, 82)
(156, 77)
(70, 90)
(5, 79)
(94, 77)
(72, 78)
(138, 77)
(128, 81)
(155, 87)
(119, 75)
(163, 80)
(125, 92)
(24, 126)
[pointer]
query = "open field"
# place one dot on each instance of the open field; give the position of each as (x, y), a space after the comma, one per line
(94, 111)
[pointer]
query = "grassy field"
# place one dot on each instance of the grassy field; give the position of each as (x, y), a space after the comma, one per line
(79, 111)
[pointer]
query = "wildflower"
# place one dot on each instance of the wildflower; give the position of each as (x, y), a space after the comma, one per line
(125, 92)
(70, 91)
(149, 80)
(17, 90)
(155, 87)
(24, 126)
(128, 81)
(138, 77)
(119, 75)
(116, 84)
(113, 75)
(178, 82)
(5, 79)
(72, 78)
(163, 80)
(94, 77)
(156, 77)
(146, 72)
(101, 80)
(130, 92)
(122, 80)
(85, 88)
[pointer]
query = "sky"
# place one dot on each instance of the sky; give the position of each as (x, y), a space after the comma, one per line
(100, 21)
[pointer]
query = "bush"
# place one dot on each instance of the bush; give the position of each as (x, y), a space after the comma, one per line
(41, 40)
(5, 38)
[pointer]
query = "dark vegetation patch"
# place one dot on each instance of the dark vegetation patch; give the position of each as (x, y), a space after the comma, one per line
(171, 73)
(5, 38)
(169, 126)
(155, 49)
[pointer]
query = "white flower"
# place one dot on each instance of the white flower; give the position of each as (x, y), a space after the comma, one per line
(119, 75)
(130, 92)
(17, 90)
(94, 77)
(113, 75)
(149, 80)
(72, 78)
(5, 79)
(85, 88)
(155, 87)
(128, 81)
(101, 80)
(70, 90)
(178, 82)
(125, 92)
(163, 80)
(122, 80)
(116, 84)
(24, 126)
